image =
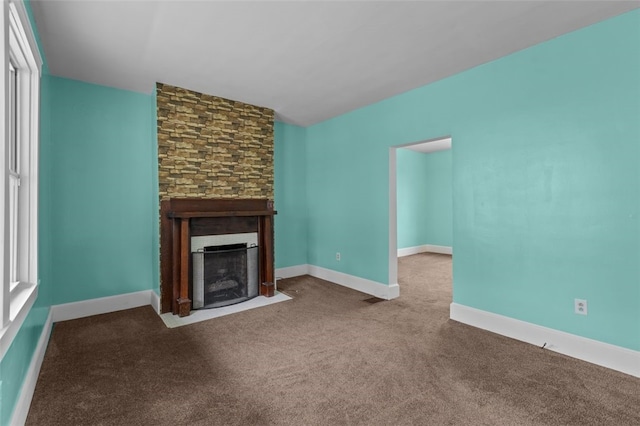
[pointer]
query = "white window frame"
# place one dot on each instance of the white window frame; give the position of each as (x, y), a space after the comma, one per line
(19, 46)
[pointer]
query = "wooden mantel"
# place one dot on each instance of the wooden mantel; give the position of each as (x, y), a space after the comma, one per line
(182, 218)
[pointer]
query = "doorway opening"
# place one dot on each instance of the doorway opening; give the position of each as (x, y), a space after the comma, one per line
(426, 146)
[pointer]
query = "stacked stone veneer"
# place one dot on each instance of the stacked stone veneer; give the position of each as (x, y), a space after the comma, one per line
(211, 147)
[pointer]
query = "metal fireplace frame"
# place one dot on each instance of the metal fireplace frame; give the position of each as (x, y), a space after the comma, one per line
(246, 280)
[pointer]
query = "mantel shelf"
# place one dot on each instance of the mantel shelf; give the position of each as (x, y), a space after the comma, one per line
(188, 215)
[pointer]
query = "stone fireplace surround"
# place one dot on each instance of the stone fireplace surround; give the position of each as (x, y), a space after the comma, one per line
(215, 176)
(182, 218)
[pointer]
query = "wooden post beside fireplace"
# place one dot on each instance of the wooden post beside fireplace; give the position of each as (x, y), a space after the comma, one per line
(182, 218)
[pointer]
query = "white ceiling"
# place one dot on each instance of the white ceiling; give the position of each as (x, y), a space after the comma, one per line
(309, 61)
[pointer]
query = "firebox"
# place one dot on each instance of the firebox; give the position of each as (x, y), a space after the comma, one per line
(224, 275)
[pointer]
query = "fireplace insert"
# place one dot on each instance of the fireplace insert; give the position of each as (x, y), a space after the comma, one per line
(224, 275)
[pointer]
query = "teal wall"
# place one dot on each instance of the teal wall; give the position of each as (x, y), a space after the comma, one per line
(108, 138)
(412, 198)
(104, 201)
(290, 195)
(439, 193)
(545, 181)
(424, 198)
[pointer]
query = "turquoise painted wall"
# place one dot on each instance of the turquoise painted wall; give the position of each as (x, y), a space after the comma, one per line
(424, 198)
(290, 195)
(546, 188)
(15, 363)
(439, 194)
(412, 198)
(104, 191)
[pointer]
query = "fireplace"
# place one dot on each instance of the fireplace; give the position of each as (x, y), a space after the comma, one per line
(202, 240)
(223, 274)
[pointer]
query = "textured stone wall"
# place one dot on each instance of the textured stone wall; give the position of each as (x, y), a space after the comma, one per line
(211, 147)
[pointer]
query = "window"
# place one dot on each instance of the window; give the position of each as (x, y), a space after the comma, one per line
(19, 169)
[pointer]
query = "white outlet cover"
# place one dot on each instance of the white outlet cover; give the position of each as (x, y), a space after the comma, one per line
(580, 306)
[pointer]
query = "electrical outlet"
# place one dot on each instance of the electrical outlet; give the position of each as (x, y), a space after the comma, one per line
(338, 256)
(580, 306)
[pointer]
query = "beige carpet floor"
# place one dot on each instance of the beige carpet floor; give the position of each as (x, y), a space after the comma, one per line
(327, 357)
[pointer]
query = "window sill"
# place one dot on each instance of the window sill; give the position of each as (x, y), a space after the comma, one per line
(22, 299)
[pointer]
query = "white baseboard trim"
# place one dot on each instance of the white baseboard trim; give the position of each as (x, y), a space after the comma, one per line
(103, 305)
(154, 301)
(292, 271)
(23, 404)
(426, 248)
(600, 353)
(393, 292)
(373, 288)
